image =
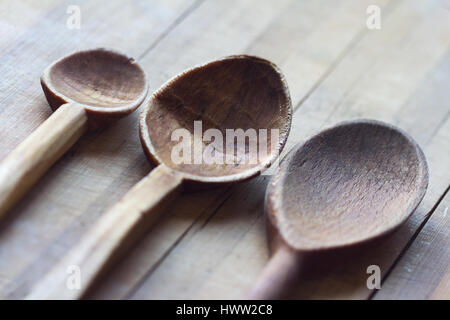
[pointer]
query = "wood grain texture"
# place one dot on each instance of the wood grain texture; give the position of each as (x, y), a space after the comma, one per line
(32, 158)
(112, 235)
(212, 243)
(442, 290)
(422, 272)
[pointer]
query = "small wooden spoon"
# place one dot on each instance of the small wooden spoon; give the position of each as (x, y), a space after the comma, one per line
(346, 185)
(87, 90)
(235, 92)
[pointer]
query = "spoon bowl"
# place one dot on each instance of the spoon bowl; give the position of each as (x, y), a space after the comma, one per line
(107, 83)
(237, 92)
(347, 185)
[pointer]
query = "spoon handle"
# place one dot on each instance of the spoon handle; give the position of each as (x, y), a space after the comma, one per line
(277, 276)
(31, 159)
(111, 236)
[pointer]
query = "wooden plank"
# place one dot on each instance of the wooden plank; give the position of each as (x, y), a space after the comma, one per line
(49, 215)
(422, 271)
(221, 255)
(17, 17)
(443, 288)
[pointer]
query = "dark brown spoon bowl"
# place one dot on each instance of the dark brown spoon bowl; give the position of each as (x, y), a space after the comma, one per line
(236, 92)
(108, 84)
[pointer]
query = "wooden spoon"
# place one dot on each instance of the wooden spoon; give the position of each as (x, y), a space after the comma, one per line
(87, 90)
(234, 92)
(346, 185)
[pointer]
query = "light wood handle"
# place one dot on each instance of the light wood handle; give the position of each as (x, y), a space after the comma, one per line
(278, 275)
(31, 159)
(112, 235)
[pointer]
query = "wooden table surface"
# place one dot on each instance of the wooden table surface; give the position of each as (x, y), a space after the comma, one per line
(212, 244)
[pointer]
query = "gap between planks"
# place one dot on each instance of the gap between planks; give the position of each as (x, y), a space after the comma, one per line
(410, 243)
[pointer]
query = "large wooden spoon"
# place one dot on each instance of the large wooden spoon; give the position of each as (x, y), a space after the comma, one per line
(346, 185)
(235, 92)
(87, 90)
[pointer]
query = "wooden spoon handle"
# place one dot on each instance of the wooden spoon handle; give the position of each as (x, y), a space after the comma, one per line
(112, 235)
(31, 159)
(278, 275)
